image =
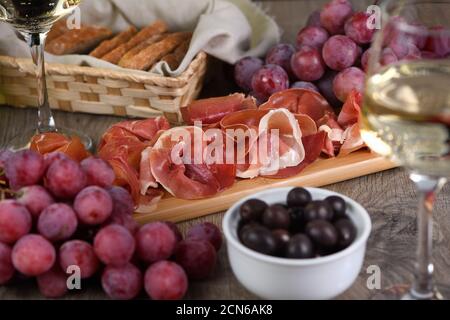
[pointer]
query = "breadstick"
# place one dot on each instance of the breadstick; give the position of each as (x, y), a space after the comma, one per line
(115, 55)
(108, 45)
(174, 59)
(78, 40)
(131, 53)
(153, 53)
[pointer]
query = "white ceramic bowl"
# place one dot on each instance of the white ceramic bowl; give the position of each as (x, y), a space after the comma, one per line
(279, 278)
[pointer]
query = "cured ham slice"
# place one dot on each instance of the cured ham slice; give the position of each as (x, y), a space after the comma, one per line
(124, 146)
(55, 142)
(173, 164)
(349, 119)
(351, 110)
(211, 111)
(283, 150)
(313, 148)
(291, 129)
(300, 101)
(334, 131)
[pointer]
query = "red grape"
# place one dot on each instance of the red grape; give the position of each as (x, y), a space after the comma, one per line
(65, 178)
(326, 88)
(114, 245)
(165, 280)
(340, 52)
(35, 198)
(126, 221)
(401, 44)
(6, 265)
(53, 283)
(122, 283)
(346, 81)
(57, 222)
(98, 172)
(206, 231)
(175, 230)
(439, 41)
(313, 37)
(122, 201)
(281, 55)
(365, 59)
(244, 71)
(15, 221)
(305, 85)
(307, 64)
(269, 80)
(413, 54)
(356, 28)
(79, 253)
(155, 241)
(33, 255)
(334, 15)
(314, 19)
(51, 157)
(420, 35)
(24, 168)
(197, 257)
(93, 205)
(388, 57)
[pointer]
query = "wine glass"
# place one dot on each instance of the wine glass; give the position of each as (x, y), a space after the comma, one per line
(33, 19)
(406, 114)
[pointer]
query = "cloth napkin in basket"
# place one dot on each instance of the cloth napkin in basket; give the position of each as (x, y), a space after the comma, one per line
(225, 29)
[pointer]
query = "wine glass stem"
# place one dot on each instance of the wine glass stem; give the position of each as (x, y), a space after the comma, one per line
(423, 287)
(46, 122)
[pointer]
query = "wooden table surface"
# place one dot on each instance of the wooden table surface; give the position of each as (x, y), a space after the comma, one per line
(389, 197)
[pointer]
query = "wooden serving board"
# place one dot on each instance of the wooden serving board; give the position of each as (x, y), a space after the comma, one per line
(320, 173)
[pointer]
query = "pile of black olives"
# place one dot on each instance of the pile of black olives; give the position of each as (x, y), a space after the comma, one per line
(300, 229)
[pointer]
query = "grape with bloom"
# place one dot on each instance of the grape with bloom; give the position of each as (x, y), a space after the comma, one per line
(33, 255)
(77, 203)
(269, 80)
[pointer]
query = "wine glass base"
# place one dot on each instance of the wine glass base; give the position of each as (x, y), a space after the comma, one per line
(403, 292)
(22, 141)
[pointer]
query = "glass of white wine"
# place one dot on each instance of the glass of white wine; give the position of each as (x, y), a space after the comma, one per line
(33, 19)
(406, 114)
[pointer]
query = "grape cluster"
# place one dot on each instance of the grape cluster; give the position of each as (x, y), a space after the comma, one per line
(60, 214)
(331, 55)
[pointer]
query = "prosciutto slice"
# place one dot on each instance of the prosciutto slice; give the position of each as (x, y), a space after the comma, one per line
(284, 151)
(349, 119)
(212, 110)
(300, 101)
(180, 173)
(123, 146)
(55, 142)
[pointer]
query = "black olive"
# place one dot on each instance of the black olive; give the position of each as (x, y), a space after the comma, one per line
(323, 234)
(300, 247)
(246, 225)
(298, 197)
(297, 219)
(252, 210)
(282, 238)
(276, 217)
(260, 239)
(338, 206)
(318, 210)
(346, 232)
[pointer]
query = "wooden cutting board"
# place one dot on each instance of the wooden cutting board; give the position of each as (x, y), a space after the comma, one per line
(320, 173)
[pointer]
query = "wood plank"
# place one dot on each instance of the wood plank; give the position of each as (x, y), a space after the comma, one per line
(322, 172)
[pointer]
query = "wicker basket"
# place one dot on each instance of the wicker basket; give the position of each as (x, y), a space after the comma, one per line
(103, 91)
